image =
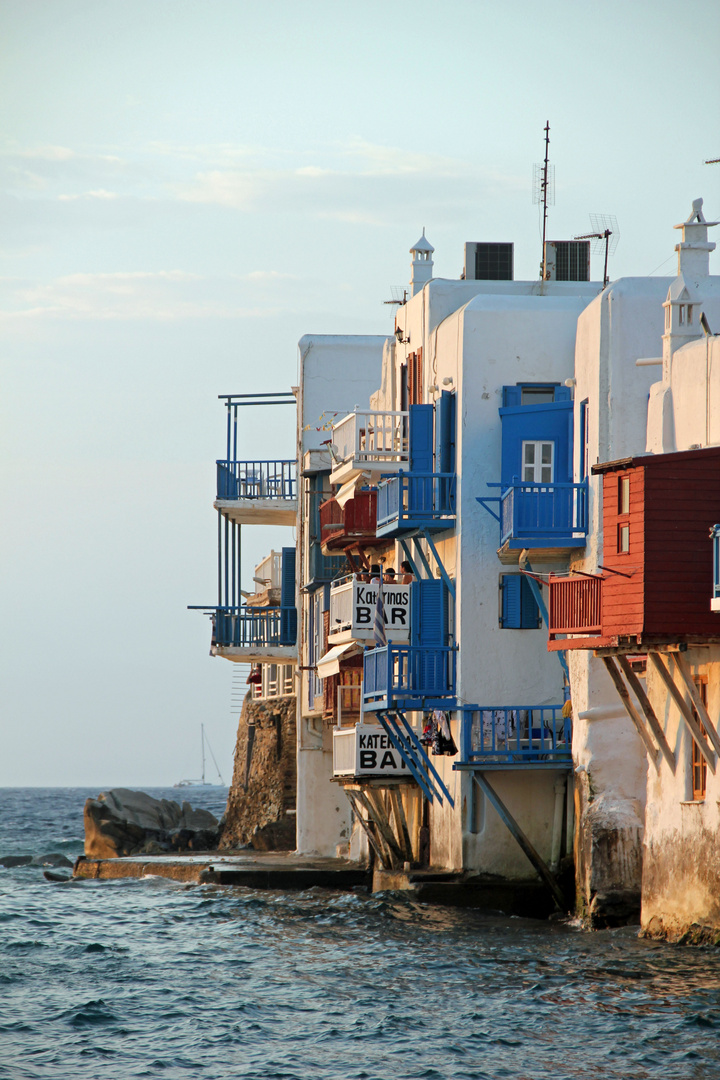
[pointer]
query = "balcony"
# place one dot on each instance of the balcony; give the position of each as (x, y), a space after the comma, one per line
(255, 634)
(257, 492)
(547, 516)
(409, 677)
(413, 500)
(369, 442)
(518, 736)
(352, 611)
(575, 608)
(350, 525)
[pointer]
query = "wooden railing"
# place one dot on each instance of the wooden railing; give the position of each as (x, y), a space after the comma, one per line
(575, 605)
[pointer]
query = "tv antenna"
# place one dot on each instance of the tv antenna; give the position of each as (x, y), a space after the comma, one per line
(399, 295)
(713, 161)
(544, 189)
(606, 234)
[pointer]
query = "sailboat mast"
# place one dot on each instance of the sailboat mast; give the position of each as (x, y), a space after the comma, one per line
(202, 738)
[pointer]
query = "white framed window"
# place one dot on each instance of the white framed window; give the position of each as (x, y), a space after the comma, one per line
(538, 462)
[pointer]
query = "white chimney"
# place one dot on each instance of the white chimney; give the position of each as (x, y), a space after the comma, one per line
(422, 264)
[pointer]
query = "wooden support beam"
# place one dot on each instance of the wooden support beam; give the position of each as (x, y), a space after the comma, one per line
(365, 825)
(507, 818)
(615, 675)
(685, 711)
(655, 725)
(378, 813)
(684, 668)
(401, 826)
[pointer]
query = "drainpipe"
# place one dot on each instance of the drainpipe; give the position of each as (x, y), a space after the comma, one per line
(557, 824)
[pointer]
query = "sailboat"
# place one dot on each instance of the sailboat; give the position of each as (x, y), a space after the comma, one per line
(202, 782)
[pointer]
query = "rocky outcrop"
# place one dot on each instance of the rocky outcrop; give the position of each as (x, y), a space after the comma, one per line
(261, 801)
(123, 822)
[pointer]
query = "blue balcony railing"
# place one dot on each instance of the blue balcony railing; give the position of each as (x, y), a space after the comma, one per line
(514, 735)
(416, 501)
(254, 628)
(544, 515)
(257, 480)
(408, 673)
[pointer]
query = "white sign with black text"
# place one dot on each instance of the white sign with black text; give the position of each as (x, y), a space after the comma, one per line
(396, 605)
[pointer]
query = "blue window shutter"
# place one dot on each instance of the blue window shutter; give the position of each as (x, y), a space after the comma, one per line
(511, 585)
(428, 612)
(287, 578)
(519, 607)
(562, 393)
(530, 612)
(511, 395)
(421, 438)
(445, 410)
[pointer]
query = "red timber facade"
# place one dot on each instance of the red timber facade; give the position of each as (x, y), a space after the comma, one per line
(350, 525)
(654, 583)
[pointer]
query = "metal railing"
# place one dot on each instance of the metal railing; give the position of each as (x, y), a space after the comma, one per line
(575, 605)
(257, 480)
(408, 671)
(516, 734)
(411, 497)
(371, 437)
(555, 511)
(248, 628)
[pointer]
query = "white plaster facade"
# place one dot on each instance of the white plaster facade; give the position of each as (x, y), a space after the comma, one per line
(335, 373)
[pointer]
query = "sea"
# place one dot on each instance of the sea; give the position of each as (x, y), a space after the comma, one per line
(112, 980)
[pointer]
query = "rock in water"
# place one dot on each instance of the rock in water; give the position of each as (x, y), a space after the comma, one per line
(123, 822)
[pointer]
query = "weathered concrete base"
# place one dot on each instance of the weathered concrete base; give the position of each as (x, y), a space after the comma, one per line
(528, 898)
(609, 848)
(275, 870)
(694, 934)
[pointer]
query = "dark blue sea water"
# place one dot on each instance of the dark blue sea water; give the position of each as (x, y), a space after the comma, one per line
(151, 978)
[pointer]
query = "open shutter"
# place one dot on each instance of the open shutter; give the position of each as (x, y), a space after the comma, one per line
(421, 438)
(519, 607)
(445, 432)
(288, 611)
(428, 612)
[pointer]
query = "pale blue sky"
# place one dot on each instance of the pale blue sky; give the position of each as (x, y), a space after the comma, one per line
(187, 188)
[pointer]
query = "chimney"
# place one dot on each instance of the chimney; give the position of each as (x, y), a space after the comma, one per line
(422, 264)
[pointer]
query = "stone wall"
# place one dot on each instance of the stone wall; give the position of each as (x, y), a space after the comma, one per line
(261, 801)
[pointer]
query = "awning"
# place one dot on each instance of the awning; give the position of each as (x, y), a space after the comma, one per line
(329, 664)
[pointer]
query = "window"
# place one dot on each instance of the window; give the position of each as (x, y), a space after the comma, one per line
(690, 307)
(415, 378)
(623, 541)
(518, 607)
(538, 466)
(681, 314)
(699, 764)
(624, 495)
(537, 395)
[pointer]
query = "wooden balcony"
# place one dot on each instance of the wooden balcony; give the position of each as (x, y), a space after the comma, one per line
(257, 492)
(352, 610)
(514, 737)
(255, 634)
(409, 677)
(575, 608)
(369, 442)
(414, 500)
(350, 525)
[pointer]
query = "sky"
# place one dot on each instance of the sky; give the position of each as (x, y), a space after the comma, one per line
(188, 187)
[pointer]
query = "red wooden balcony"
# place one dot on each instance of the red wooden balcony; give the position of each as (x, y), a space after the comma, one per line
(575, 605)
(354, 523)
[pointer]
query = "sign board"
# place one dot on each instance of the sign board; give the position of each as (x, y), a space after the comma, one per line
(352, 612)
(365, 750)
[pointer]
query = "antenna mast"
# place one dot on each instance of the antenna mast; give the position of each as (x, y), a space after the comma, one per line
(544, 191)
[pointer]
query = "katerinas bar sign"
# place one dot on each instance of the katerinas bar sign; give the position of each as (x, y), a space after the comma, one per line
(352, 611)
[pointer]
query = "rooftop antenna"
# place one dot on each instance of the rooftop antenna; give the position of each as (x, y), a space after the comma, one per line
(606, 234)
(399, 295)
(544, 189)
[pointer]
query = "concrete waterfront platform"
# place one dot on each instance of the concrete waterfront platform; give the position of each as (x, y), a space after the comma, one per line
(254, 870)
